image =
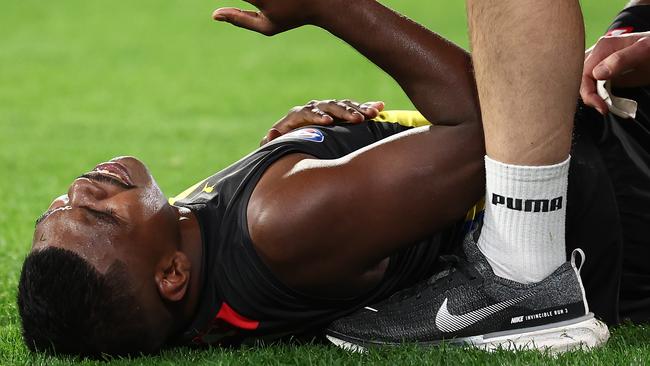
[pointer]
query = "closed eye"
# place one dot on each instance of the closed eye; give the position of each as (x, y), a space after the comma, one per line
(105, 216)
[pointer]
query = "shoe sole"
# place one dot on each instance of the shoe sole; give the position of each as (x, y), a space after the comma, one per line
(584, 333)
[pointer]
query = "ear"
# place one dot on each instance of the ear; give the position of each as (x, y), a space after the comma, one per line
(173, 277)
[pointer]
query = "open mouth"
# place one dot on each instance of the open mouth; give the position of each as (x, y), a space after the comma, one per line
(111, 171)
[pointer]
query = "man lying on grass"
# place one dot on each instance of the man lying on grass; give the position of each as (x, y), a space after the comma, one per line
(312, 226)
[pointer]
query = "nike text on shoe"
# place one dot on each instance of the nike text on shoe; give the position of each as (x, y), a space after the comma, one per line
(468, 304)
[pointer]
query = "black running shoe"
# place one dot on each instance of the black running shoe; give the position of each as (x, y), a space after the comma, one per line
(468, 304)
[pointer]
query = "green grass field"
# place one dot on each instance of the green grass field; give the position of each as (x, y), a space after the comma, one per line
(83, 81)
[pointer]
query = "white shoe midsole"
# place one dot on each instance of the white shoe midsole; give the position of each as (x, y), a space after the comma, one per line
(585, 332)
(581, 333)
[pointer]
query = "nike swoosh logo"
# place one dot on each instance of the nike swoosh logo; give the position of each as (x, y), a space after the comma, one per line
(449, 323)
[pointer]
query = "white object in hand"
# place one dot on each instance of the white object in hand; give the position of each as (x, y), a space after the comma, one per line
(622, 107)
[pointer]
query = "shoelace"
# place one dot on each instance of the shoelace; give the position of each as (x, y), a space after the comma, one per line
(457, 268)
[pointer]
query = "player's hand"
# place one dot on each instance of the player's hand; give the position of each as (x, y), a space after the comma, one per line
(274, 16)
(623, 59)
(323, 112)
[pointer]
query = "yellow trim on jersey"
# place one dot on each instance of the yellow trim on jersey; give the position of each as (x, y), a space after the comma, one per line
(185, 193)
(404, 118)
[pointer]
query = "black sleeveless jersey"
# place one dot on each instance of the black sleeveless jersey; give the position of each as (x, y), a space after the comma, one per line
(241, 300)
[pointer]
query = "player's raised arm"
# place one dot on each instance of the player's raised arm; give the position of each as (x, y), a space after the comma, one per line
(434, 73)
(326, 221)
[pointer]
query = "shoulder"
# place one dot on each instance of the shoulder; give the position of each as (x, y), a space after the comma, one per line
(275, 193)
(288, 210)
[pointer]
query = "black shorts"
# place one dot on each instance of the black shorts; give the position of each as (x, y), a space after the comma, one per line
(594, 226)
(609, 209)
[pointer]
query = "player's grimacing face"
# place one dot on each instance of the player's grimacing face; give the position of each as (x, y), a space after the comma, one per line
(115, 211)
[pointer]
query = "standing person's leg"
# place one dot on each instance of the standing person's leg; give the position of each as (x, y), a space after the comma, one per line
(514, 289)
(528, 59)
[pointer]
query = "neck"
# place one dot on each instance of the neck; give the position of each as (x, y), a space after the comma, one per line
(192, 246)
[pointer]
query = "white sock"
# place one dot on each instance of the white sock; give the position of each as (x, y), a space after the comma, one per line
(525, 213)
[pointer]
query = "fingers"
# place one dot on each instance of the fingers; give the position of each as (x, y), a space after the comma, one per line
(374, 107)
(590, 96)
(323, 113)
(302, 116)
(611, 58)
(251, 20)
(624, 60)
(350, 111)
(588, 91)
(603, 48)
(271, 135)
(344, 110)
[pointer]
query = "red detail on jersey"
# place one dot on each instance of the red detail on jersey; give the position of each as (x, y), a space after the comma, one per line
(619, 31)
(230, 316)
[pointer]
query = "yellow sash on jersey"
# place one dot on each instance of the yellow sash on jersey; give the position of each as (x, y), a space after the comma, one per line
(404, 118)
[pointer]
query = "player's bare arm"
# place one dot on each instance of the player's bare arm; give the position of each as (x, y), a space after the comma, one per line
(433, 72)
(291, 211)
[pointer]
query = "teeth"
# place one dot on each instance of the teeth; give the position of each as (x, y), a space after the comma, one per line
(106, 172)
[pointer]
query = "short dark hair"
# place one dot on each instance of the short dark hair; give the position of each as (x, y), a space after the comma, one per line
(68, 307)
